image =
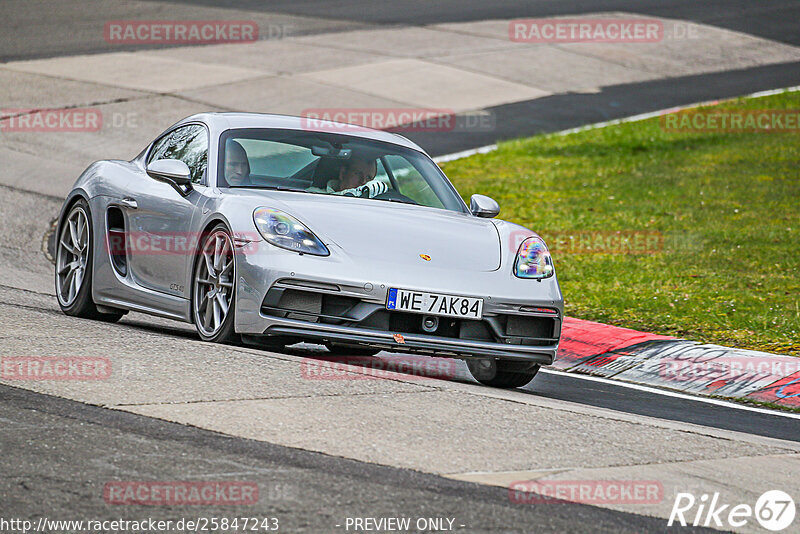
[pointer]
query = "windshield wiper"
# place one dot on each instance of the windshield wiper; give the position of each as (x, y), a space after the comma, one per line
(397, 200)
(270, 188)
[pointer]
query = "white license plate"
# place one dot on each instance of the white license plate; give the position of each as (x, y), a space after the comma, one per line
(434, 304)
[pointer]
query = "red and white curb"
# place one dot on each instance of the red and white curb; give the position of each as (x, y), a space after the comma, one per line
(700, 369)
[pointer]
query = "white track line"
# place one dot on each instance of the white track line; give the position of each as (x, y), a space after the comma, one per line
(465, 154)
(675, 394)
(632, 118)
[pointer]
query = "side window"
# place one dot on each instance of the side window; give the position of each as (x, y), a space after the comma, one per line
(188, 144)
(411, 183)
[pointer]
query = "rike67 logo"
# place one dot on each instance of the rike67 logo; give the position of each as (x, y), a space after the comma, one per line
(774, 510)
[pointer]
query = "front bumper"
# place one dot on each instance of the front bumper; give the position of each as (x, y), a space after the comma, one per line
(511, 327)
(416, 343)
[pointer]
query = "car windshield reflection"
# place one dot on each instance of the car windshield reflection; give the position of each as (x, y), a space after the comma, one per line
(332, 164)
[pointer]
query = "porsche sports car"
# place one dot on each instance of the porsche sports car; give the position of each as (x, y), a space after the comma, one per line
(281, 230)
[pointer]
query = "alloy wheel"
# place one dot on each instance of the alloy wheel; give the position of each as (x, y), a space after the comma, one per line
(213, 283)
(72, 256)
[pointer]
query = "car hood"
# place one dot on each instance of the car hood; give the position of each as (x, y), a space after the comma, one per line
(398, 233)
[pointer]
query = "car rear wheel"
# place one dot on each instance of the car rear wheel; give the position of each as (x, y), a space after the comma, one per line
(74, 262)
(502, 373)
(213, 287)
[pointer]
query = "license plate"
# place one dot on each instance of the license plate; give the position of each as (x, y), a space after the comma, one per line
(434, 304)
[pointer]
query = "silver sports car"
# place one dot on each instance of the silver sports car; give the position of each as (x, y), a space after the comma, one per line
(281, 230)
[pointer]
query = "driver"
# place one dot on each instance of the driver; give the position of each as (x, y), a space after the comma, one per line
(356, 178)
(237, 166)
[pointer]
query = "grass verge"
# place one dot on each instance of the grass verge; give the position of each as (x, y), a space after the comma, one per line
(681, 233)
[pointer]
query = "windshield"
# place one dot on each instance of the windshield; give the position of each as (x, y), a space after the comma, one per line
(332, 164)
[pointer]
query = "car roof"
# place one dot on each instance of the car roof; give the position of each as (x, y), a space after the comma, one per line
(221, 121)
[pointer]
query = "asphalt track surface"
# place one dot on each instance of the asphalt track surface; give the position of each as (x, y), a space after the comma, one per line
(308, 492)
(61, 452)
(776, 20)
(73, 30)
(67, 31)
(565, 111)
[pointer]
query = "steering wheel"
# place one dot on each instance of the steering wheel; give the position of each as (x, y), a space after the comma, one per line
(393, 194)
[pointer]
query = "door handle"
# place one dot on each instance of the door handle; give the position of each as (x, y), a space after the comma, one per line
(129, 203)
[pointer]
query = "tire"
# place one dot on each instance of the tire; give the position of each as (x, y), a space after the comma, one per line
(214, 287)
(74, 263)
(506, 374)
(347, 350)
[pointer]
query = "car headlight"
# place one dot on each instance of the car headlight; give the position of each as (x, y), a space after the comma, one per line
(533, 260)
(283, 230)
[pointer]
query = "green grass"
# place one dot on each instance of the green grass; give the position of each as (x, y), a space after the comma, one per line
(727, 206)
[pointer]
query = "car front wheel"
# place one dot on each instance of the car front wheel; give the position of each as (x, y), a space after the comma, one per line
(502, 373)
(213, 287)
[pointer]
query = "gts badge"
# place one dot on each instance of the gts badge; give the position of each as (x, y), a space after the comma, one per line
(176, 287)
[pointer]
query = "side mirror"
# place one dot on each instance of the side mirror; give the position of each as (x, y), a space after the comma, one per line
(483, 206)
(173, 171)
(170, 170)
